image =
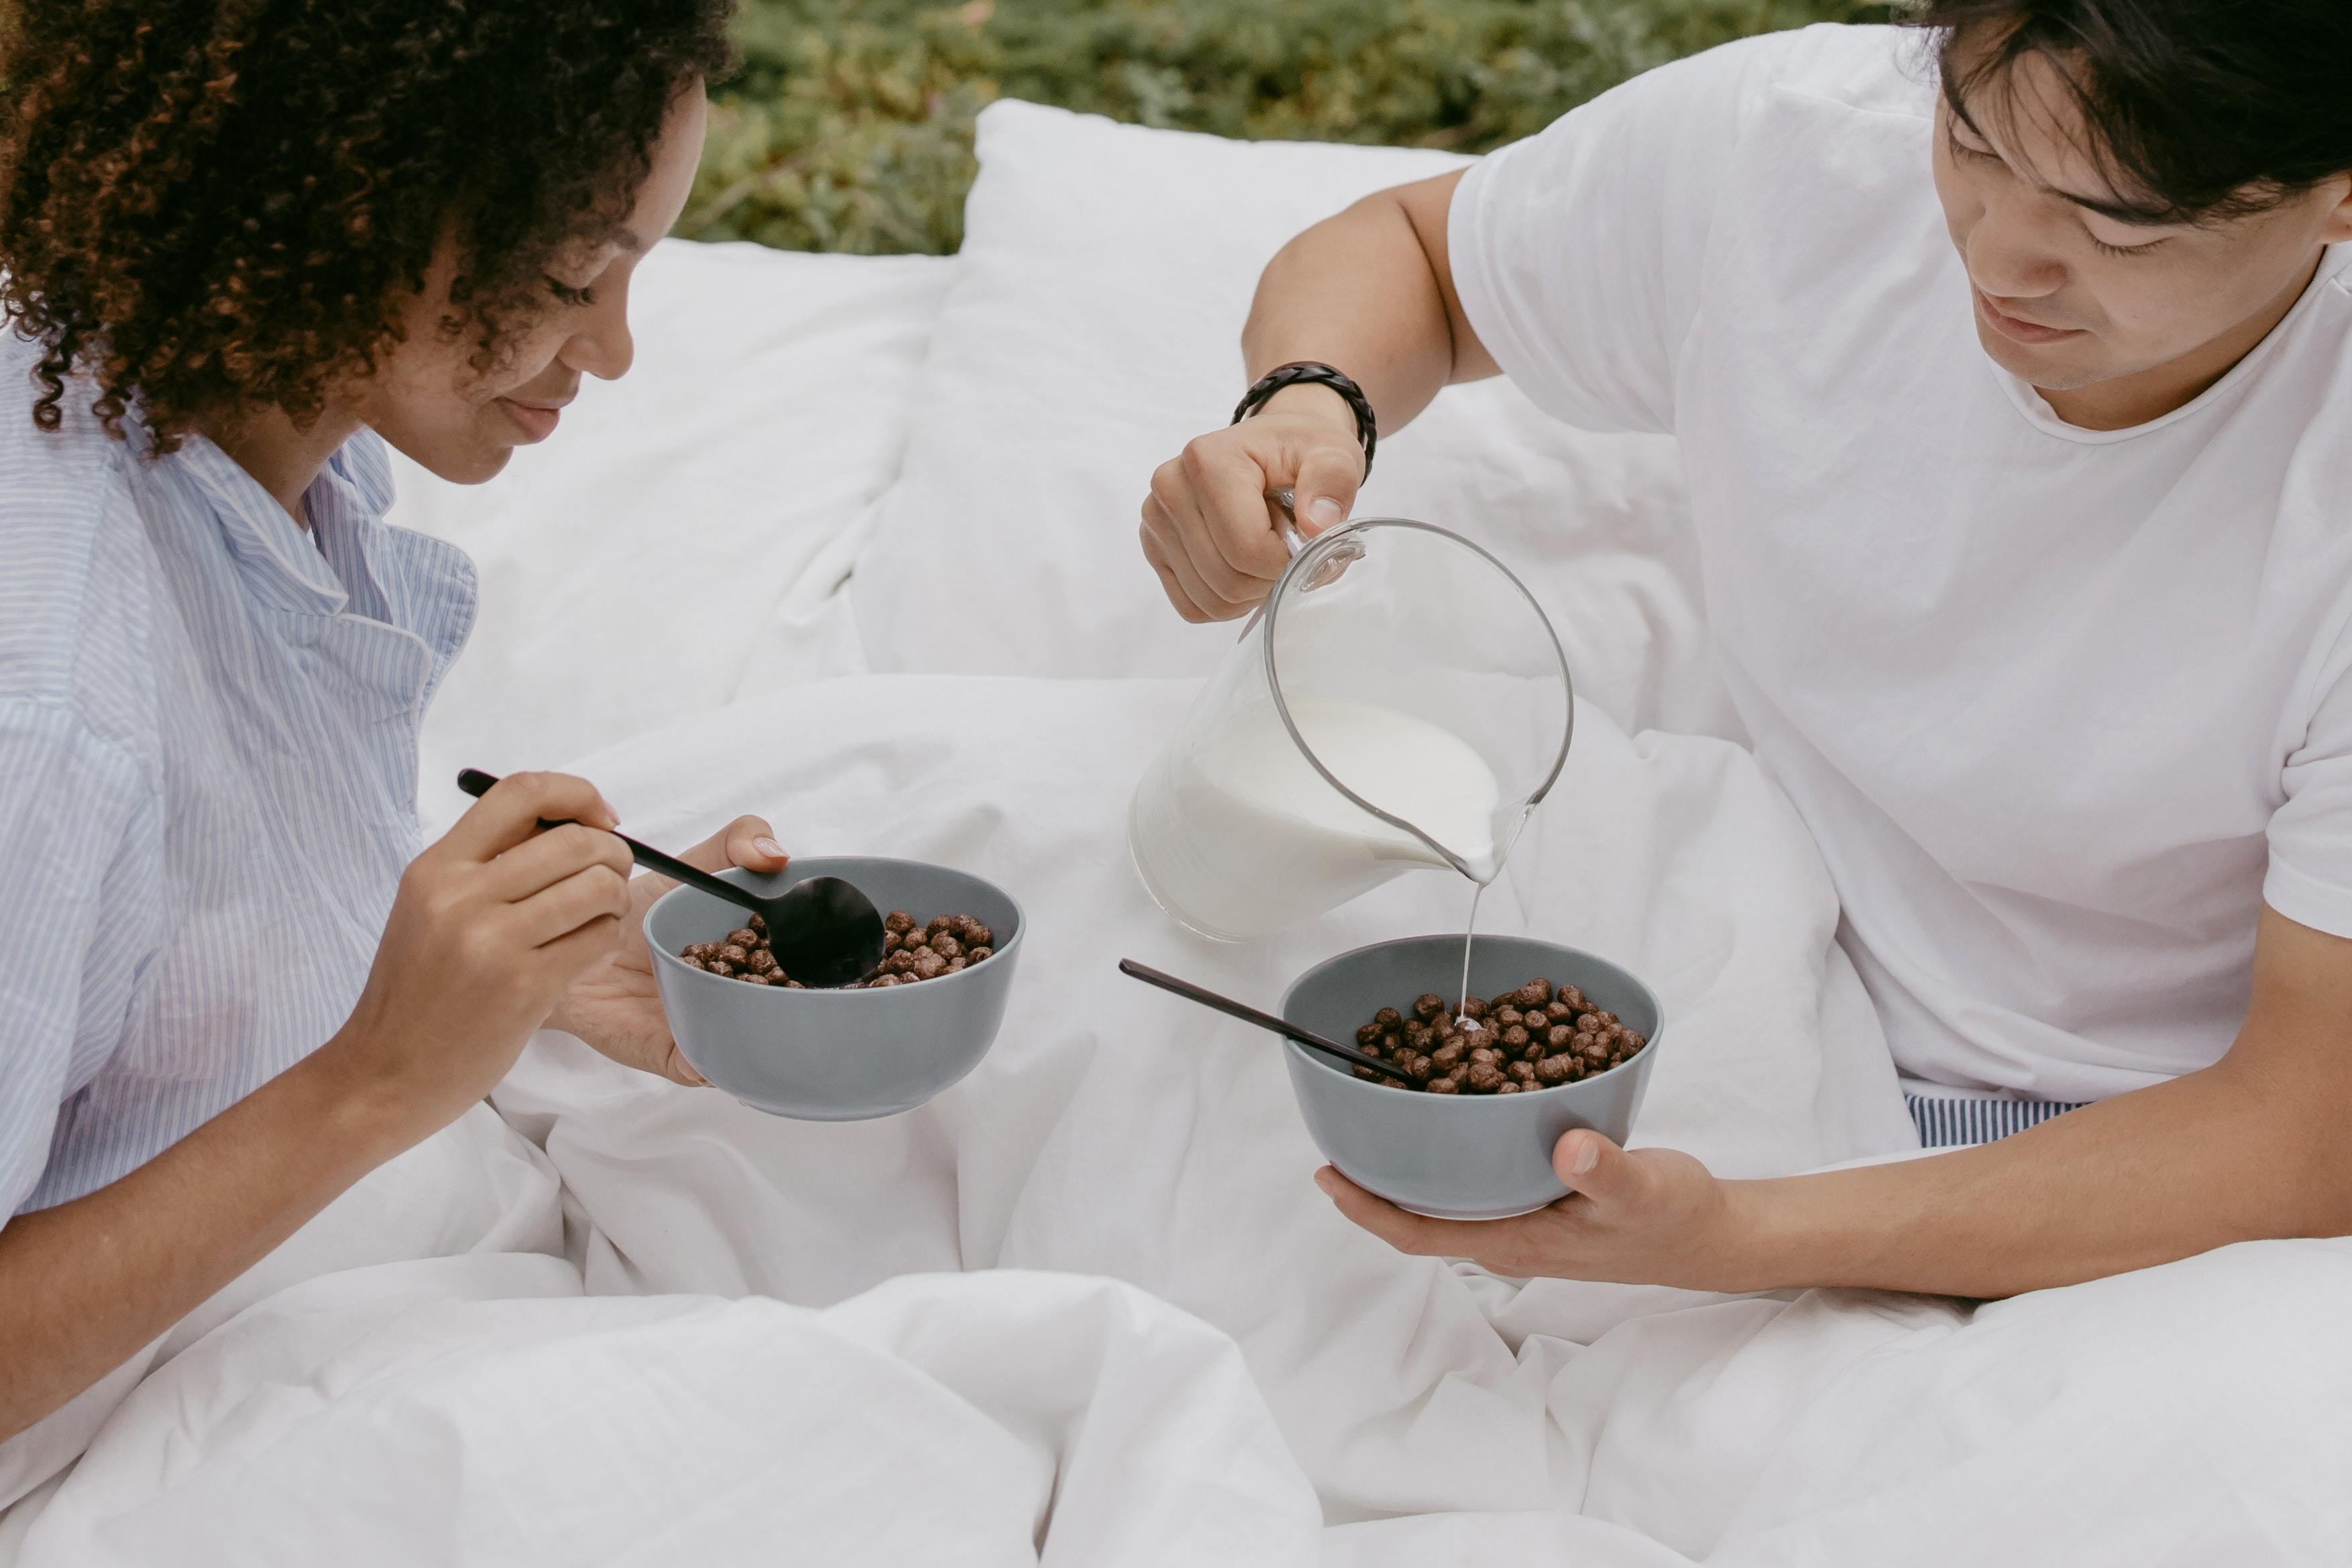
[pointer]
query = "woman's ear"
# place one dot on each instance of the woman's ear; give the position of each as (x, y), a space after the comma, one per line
(2339, 228)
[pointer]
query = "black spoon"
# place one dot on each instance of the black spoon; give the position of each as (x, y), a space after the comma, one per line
(1249, 1015)
(823, 932)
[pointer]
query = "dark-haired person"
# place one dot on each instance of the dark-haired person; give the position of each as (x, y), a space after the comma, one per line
(2012, 366)
(244, 246)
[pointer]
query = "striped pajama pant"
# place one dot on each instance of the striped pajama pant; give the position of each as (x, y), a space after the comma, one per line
(1956, 1124)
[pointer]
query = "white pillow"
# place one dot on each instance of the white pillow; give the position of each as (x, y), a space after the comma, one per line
(683, 538)
(1094, 326)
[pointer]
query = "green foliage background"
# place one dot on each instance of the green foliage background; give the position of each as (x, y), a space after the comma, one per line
(849, 127)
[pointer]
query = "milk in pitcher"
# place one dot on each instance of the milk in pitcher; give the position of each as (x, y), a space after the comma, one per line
(1242, 835)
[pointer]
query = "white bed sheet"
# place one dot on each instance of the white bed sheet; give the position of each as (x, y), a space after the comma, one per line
(2176, 1415)
(373, 1395)
(929, 1337)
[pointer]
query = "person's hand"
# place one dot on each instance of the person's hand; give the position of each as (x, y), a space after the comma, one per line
(614, 1005)
(1208, 529)
(489, 926)
(1647, 1216)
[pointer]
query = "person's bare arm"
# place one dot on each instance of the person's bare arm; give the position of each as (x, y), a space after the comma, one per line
(1370, 293)
(490, 925)
(1371, 290)
(2250, 1148)
(84, 1285)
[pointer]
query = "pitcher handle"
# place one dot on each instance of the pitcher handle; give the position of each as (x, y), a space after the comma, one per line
(1286, 497)
(1292, 539)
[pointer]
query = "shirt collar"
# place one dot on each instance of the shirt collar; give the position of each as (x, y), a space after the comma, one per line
(282, 564)
(349, 567)
(346, 510)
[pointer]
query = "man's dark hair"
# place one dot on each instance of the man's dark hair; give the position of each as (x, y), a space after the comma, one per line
(215, 204)
(2198, 109)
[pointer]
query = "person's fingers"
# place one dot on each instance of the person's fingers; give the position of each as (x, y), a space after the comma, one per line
(1325, 491)
(1225, 481)
(1405, 1231)
(1593, 1166)
(513, 809)
(539, 862)
(1182, 559)
(569, 954)
(1156, 558)
(747, 842)
(1165, 551)
(588, 895)
(1166, 555)
(1199, 562)
(677, 1069)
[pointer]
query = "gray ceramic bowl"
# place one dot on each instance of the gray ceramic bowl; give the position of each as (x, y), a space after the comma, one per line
(1457, 1156)
(837, 1056)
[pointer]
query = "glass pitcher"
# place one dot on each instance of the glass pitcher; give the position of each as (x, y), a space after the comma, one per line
(1400, 701)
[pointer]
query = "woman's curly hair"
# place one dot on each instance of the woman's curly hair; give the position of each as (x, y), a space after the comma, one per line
(216, 204)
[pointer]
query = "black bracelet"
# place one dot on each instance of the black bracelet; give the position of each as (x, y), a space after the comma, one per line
(1308, 371)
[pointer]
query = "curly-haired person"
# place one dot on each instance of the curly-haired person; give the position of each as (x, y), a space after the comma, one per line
(246, 243)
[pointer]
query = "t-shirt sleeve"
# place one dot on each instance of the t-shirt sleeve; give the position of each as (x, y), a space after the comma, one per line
(69, 802)
(2310, 833)
(1579, 254)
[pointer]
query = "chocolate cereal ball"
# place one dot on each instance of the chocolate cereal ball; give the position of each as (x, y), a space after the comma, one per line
(912, 951)
(1538, 1035)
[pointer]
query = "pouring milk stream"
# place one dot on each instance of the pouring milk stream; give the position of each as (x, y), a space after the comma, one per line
(1401, 702)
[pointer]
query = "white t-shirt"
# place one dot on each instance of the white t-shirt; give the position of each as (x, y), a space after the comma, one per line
(2062, 706)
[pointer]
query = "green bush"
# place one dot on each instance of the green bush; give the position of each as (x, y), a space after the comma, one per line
(849, 127)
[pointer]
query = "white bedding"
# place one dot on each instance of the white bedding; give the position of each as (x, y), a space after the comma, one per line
(369, 1399)
(1114, 1130)
(1111, 1132)
(2187, 1414)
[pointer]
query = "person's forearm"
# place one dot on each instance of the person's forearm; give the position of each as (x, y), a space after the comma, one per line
(1368, 291)
(84, 1285)
(2160, 1174)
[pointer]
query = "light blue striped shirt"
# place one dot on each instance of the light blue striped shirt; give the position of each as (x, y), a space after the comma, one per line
(207, 775)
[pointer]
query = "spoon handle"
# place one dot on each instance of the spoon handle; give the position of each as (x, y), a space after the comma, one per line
(1249, 1015)
(477, 782)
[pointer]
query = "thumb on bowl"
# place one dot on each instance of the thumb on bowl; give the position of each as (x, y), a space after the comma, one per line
(747, 842)
(1589, 1165)
(677, 1069)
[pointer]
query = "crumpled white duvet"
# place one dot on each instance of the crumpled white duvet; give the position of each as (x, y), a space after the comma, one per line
(479, 1407)
(2192, 1414)
(726, 1365)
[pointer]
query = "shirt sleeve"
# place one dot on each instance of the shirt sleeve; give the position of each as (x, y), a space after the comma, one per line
(1579, 254)
(67, 804)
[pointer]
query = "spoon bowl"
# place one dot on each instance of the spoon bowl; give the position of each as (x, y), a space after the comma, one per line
(823, 930)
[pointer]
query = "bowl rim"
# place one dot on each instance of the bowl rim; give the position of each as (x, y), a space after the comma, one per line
(691, 974)
(1317, 1060)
